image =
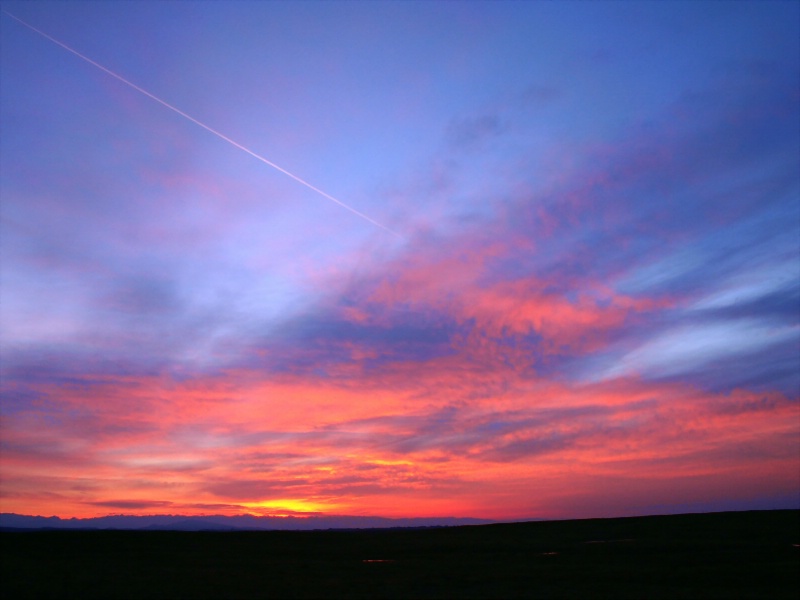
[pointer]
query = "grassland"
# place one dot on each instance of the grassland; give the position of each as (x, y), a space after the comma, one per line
(719, 555)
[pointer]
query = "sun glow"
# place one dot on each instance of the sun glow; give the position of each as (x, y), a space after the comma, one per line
(592, 318)
(287, 507)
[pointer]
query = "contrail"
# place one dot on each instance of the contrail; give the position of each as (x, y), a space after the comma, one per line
(203, 125)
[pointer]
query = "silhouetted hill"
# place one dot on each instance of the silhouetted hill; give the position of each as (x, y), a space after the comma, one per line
(753, 555)
(221, 522)
(190, 525)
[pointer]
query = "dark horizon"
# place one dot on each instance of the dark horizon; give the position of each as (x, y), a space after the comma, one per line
(748, 555)
(295, 522)
(237, 522)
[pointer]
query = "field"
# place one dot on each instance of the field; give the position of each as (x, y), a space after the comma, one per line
(719, 555)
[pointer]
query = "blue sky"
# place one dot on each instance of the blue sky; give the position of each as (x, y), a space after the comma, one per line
(596, 261)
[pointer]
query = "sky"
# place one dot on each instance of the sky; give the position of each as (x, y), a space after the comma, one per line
(518, 260)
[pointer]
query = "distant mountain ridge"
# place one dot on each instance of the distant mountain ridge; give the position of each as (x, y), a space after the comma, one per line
(226, 523)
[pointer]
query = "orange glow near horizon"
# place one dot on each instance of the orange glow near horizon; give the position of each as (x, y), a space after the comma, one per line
(591, 310)
(206, 449)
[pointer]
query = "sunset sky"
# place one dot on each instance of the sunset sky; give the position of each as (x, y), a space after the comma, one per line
(570, 286)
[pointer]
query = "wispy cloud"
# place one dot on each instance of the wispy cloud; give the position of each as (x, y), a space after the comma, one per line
(594, 313)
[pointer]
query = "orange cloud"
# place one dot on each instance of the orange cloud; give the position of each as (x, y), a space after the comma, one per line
(288, 446)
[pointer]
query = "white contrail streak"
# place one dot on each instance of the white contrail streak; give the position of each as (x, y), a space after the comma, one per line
(203, 125)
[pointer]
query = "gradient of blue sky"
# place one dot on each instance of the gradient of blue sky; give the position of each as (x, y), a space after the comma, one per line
(593, 309)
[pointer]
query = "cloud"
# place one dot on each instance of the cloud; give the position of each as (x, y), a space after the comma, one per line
(131, 504)
(593, 321)
(690, 348)
(471, 132)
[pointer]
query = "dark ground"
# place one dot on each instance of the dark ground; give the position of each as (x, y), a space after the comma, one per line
(719, 555)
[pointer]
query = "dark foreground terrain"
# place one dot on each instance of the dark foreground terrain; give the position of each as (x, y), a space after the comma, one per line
(720, 555)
